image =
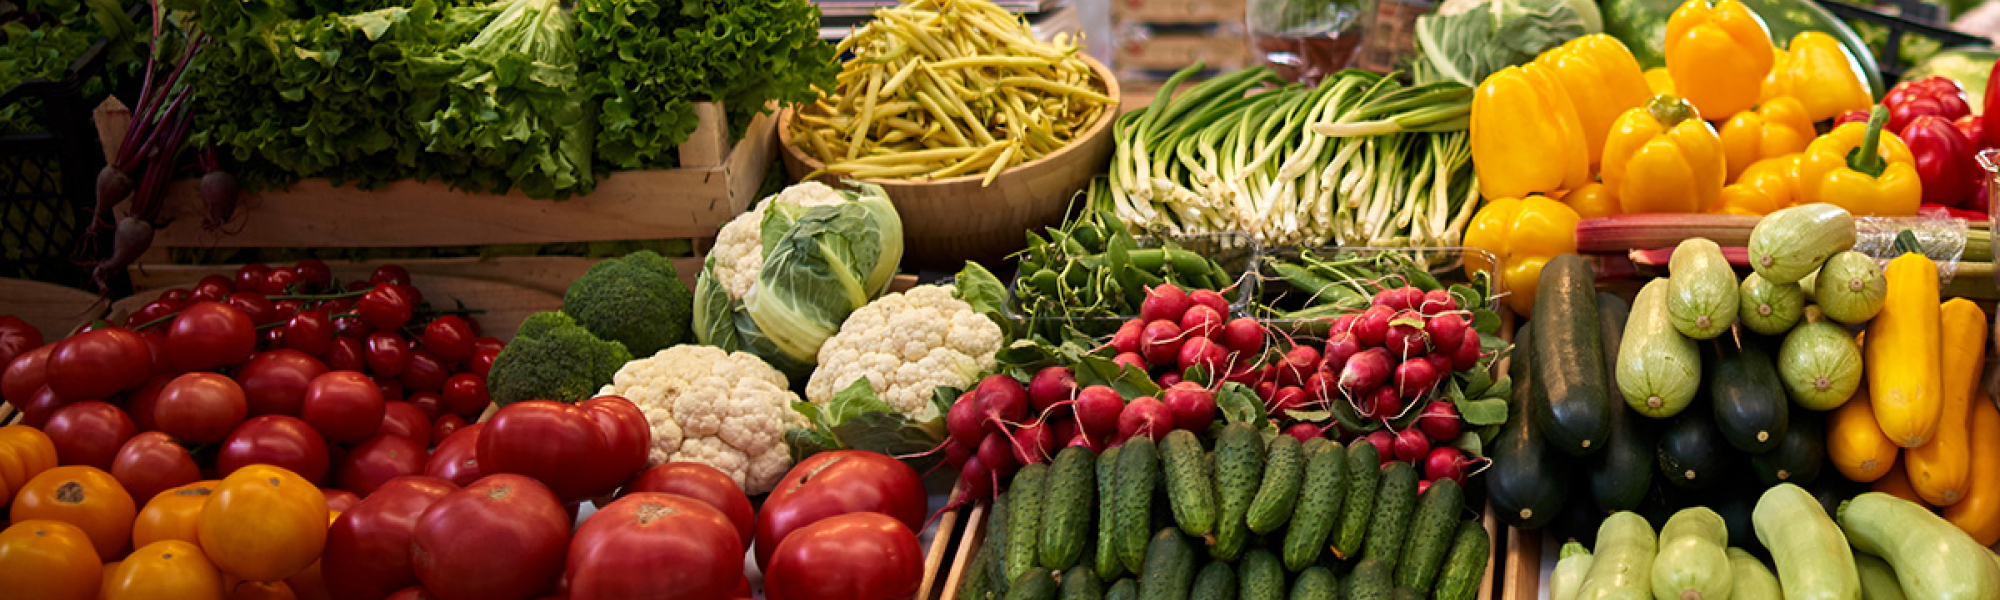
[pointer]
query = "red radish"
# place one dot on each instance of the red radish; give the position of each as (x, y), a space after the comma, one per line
(1065, 430)
(1406, 335)
(1193, 406)
(1339, 347)
(1305, 431)
(1299, 363)
(1093, 443)
(962, 421)
(1343, 323)
(975, 482)
(1166, 302)
(1384, 403)
(1266, 391)
(1366, 370)
(1211, 299)
(1034, 442)
(1243, 335)
(1052, 384)
(1400, 299)
(1441, 362)
(1130, 359)
(1411, 445)
(1127, 338)
(1447, 330)
(1201, 320)
(1438, 301)
(1467, 356)
(1160, 342)
(1097, 408)
(1372, 327)
(1202, 352)
(1169, 378)
(1290, 398)
(956, 453)
(998, 455)
(1145, 416)
(1002, 401)
(1440, 421)
(1385, 445)
(1446, 462)
(1415, 377)
(1319, 388)
(1423, 485)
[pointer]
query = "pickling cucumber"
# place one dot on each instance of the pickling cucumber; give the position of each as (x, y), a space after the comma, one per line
(1284, 472)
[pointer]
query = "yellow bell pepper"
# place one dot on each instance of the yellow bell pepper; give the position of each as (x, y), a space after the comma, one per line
(1602, 80)
(1592, 200)
(1778, 81)
(1660, 81)
(1822, 74)
(1525, 136)
(1662, 158)
(1861, 168)
(1523, 234)
(1765, 186)
(1778, 127)
(1718, 55)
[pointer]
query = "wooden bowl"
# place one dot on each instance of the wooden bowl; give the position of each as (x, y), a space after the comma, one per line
(949, 221)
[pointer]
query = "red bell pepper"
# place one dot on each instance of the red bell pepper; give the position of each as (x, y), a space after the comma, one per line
(1935, 95)
(1974, 128)
(1943, 159)
(1991, 110)
(1852, 116)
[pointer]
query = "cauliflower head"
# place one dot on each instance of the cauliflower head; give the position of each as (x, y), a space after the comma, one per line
(739, 247)
(906, 345)
(725, 410)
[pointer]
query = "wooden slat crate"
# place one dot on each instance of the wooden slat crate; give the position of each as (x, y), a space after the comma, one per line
(1179, 11)
(55, 310)
(1145, 48)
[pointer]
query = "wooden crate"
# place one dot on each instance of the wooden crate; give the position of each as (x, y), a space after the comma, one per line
(55, 310)
(1145, 49)
(1179, 11)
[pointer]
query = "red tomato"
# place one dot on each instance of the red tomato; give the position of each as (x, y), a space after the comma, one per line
(25, 374)
(430, 403)
(482, 362)
(445, 425)
(380, 459)
(256, 306)
(579, 450)
(313, 273)
(276, 440)
(44, 404)
(387, 354)
(89, 433)
(310, 331)
(465, 395)
(213, 288)
(278, 280)
(151, 463)
(392, 390)
(274, 383)
(834, 483)
(486, 344)
(142, 402)
(501, 538)
(99, 363)
(855, 556)
(345, 406)
(425, 373)
(368, 548)
(386, 306)
(701, 482)
(449, 337)
(288, 309)
(346, 353)
(156, 348)
(148, 316)
(349, 325)
(200, 408)
(17, 337)
(207, 335)
(392, 274)
(405, 419)
(654, 545)
(271, 338)
(339, 500)
(457, 456)
(249, 276)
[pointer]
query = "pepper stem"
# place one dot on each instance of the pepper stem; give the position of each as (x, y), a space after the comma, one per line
(1669, 109)
(1867, 158)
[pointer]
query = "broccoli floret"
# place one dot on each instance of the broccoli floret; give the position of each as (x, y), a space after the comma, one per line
(637, 300)
(553, 358)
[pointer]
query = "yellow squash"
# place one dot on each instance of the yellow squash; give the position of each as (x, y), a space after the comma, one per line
(1940, 470)
(1897, 483)
(1855, 442)
(1978, 513)
(1902, 353)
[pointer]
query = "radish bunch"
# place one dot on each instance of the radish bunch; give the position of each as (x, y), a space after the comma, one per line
(1183, 336)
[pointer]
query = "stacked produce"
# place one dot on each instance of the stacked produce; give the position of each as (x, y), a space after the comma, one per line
(44, 39)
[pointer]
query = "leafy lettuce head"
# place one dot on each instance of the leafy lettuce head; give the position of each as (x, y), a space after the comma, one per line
(1466, 40)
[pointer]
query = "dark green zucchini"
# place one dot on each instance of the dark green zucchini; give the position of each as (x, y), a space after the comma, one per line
(1691, 451)
(1799, 456)
(1620, 473)
(1734, 505)
(1528, 481)
(1749, 401)
(1568, 352)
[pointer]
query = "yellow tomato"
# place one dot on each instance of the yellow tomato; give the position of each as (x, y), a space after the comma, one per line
(238, 589)
(263, 523)
(308, 585)
(172, 514)
(86, 497)
(165, 570)
(48, 560)
(24, 453)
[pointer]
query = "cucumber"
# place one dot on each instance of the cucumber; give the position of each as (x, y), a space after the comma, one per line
(1239, 467)
(1316, 583)
(1812, 556)
(1320, 498)
(1138, 467)
(976, 585)
(1692, 562)
(1036, 583)
(1066, 507)
(1791, 242)
(1573, 563)
(1934, 559)
(1081, 583)
(995, 545)
(1701, 289)
(1526, 483)
(1024, 525)
(1799, 455)
(1620, 474)
(1659, 370)
(1622, 566)
(1123, 589)
(1215, 582)
(1284, 472)
(1190, 487)
(1105, 558)
(1465, 566)
(1754, 581)
(1878, 580)
(1370, 580)
(1430, 535)
(1395, 504)
(1569, 358)
(1851, 288)
(1748, 401)
(1260, 576)
(1820, 364)
(1169, 570)
(1364, 474)
(1403, 593)
(1769, 308)
(1691, 451)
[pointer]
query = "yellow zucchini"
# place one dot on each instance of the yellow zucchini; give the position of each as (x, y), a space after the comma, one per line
(1978, 513)
(1902, 353)
(1855, 442)
(1897, 483)
(1940, 469)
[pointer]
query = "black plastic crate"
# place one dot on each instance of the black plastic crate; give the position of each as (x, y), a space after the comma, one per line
(48, 178)
(1911, 17)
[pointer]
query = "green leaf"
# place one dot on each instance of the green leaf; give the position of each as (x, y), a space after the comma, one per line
(1237, 403)
(1453, 392)
(856, 419)
(1131, 382)
(1471, 443)
(1484, 411)
(807, 441)
(1486, 322)
(1309, 416)
(981, 289)
(1502, 388)
(1475, 382)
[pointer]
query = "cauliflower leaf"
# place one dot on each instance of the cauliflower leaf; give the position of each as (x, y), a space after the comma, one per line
(856, 419)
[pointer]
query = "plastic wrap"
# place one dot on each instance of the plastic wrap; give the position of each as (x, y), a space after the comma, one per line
(1943, 239)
